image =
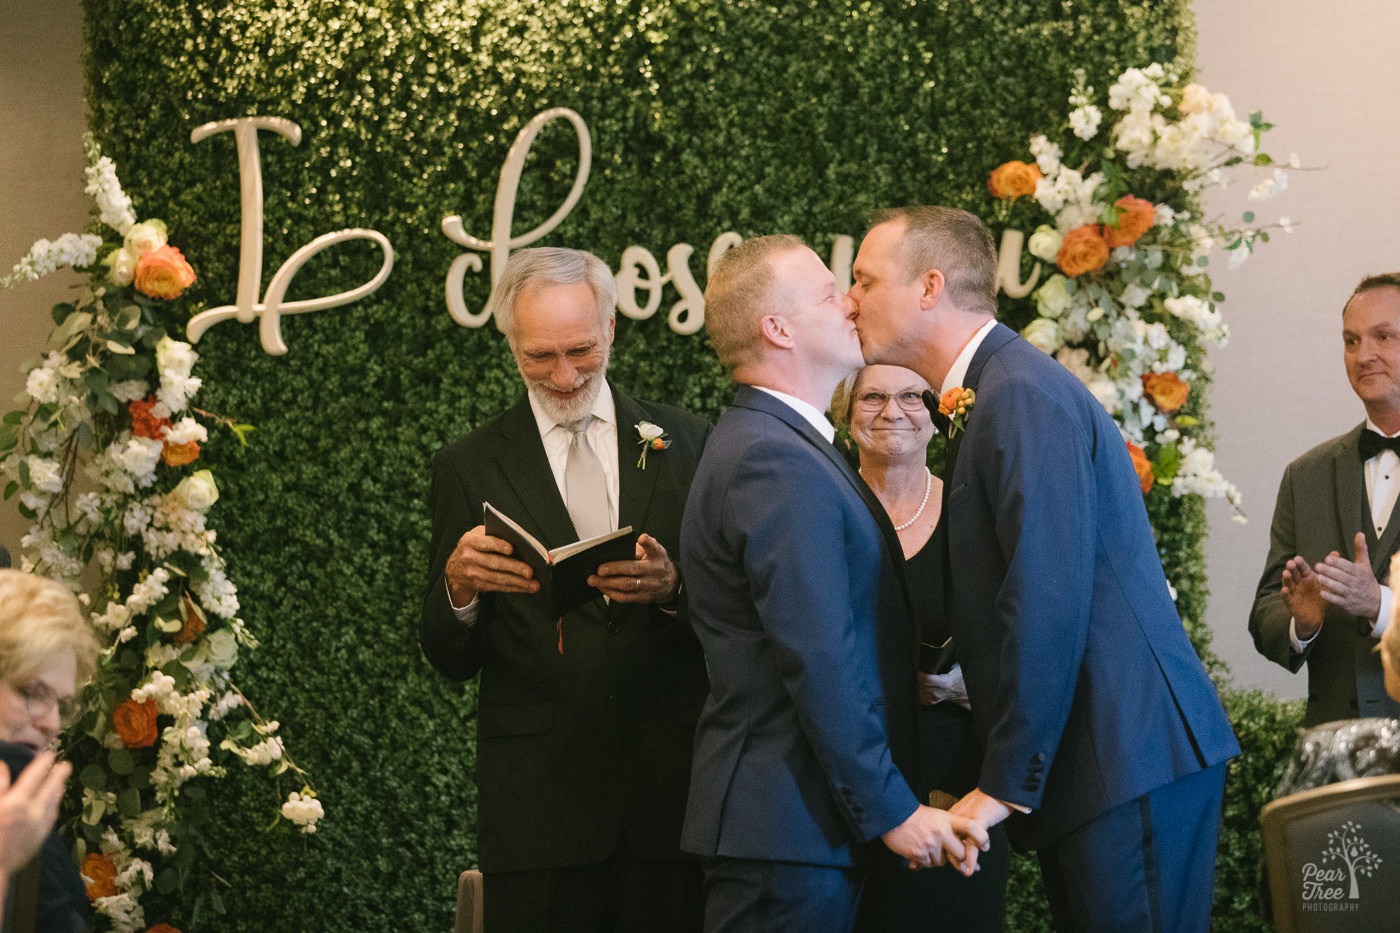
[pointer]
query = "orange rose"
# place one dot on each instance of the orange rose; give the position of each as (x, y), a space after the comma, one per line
(1143, 467)
(1135, 217)
(1083, 250)
(1013, 179)
(163, 273)
(135, 723)
(162, 928)
(100, 876)
(1166, 390)
(177, 455)
(194, 621)
(143, 422)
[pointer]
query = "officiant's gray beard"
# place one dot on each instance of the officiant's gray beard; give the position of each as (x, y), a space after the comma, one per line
(567, 412)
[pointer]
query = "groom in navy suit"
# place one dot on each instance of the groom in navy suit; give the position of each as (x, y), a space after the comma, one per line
(1105, 740)
(796, 599)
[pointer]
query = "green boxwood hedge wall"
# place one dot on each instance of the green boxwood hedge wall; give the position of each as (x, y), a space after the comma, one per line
(705, 117)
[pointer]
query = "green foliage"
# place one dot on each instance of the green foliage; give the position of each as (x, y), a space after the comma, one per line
(705, 117)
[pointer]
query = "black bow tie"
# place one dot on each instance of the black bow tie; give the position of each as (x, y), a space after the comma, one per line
(1372, 443)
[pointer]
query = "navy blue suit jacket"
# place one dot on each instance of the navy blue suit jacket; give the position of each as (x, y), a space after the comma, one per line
(796, 599)
(1083, 684)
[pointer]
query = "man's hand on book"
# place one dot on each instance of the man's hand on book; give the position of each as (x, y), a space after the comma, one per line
(482, 564)
(651, 578)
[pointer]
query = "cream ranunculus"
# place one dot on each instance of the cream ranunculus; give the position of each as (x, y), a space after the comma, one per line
(121, 267)
(1043, 334)
(175, 356)
(144, 237)
(198, 491)
(1045, 243)
(1053, 298)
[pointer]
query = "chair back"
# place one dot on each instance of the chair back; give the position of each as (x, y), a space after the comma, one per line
(1332, 855)
(469, 891)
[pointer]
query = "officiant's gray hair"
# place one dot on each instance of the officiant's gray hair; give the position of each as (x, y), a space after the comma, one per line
(550, 265)
(952, 241)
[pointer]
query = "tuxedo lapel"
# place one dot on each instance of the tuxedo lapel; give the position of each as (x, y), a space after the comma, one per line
(523, 463)
(1351, 509)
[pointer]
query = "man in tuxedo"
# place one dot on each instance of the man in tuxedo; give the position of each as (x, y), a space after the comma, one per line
(1105, 742)
(1324, 597)
(585, 722)
(795, 595)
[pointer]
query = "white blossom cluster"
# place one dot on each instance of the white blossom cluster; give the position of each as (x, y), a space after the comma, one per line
(113, 206)
(72, 250)
(304, 810)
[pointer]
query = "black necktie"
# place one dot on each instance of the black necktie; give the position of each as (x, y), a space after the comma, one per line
(1372, 443)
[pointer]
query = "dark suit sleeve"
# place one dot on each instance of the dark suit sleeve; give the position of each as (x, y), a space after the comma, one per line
(455, 649)
(1038, 457)
(794, 545)
(1270, 618)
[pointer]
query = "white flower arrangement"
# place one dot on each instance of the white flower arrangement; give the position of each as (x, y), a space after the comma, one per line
(113, 400)
(1128, 306)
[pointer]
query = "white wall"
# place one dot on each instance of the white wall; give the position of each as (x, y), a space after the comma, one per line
(1328, 76)
(41, 178)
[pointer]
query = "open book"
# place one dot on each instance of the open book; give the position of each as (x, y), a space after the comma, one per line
(563, 572)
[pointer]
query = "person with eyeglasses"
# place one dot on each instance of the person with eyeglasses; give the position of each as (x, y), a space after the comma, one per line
(890, 427)
(47, 649)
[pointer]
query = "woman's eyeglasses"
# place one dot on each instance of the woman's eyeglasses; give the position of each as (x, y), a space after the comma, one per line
(39, 699)
(876, 401)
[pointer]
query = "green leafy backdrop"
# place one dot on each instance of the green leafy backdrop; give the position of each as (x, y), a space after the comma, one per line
(705, 117)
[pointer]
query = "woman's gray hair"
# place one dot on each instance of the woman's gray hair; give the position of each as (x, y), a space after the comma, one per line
(40, 622)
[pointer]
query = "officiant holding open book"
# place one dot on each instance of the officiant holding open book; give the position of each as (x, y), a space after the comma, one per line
(586, 719)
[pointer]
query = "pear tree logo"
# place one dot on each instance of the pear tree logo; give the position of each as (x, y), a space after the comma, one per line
(1333, 882)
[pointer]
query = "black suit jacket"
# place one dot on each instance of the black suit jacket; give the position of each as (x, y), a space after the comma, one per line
(581, 749)
(1321, 506)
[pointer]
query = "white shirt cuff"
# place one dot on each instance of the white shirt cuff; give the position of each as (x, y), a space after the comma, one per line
(1383, 617)
(465, 614)
(1299, 646)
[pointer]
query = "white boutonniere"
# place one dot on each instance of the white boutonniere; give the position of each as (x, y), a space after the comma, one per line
(650, 437)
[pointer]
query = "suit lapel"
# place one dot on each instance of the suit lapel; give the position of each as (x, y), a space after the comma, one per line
(996, 338)
(522, 461)
(635, 485)
(749, 397)
(1352, 502)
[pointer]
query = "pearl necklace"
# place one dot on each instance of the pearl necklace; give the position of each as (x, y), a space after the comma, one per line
(928, 487)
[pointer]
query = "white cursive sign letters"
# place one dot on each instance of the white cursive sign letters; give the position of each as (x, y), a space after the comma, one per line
(246, 306)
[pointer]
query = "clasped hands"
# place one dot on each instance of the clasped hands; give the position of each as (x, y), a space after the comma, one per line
(483, 564)
(932, 837)
(1350, 585)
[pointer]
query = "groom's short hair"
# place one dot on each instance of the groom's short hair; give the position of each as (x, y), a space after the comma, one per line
(952, 241)
(739, 293)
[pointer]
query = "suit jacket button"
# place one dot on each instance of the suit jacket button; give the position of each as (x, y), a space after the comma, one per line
(614, 628)
(1038, 758)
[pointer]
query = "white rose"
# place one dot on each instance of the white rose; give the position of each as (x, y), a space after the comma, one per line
(144, 237)
(1043, 334)
(1045, 243)
(197, 491)
(1053, 298)
(121, 267)
(223, 648)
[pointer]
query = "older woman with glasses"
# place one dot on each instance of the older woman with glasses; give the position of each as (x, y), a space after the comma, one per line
(891, 428)
(47, 649)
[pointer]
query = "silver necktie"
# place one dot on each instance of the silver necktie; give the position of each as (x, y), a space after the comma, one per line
(585, 486)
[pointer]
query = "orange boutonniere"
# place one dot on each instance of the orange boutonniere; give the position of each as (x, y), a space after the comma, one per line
(955, 404)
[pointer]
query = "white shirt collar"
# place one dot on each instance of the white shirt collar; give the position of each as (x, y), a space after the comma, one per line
(604, 409)
(809, 412)
(958, 371)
